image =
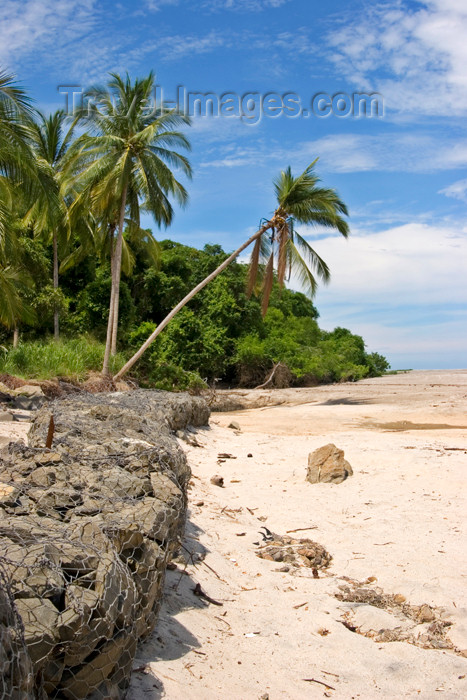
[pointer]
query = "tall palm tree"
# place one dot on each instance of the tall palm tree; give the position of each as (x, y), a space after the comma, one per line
(125, 161)
(16, 157)
(299, 200)
(51, 140)
(18, 175)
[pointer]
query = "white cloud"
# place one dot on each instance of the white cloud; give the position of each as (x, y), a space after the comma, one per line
(397, 151)
(156, 5)
(402, 289)
(415, 57)
(414, 263)
(41, 24)
(341, 153)
(458, 190)
(175, 47)
(243, 5)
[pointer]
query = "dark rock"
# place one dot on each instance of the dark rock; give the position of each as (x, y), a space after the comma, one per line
(39, 618)
(29, 403)
(16, 677)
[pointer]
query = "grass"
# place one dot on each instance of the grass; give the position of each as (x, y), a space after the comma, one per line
(47, 359)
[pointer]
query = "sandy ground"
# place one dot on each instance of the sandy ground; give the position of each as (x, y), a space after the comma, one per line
(399, 520)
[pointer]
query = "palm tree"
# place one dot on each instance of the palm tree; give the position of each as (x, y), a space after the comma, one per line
(126, 160)
(51, 140)
(299, 200)
(16, 157)
(18, 175)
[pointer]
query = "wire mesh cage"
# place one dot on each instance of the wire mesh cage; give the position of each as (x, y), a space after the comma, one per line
(86, 530)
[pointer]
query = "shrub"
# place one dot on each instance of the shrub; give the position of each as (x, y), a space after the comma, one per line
(170, 377)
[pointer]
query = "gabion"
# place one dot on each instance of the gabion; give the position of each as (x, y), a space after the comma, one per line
(86, 530)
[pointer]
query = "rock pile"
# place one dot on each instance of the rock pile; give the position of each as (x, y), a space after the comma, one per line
(295, 551)
(86, 529)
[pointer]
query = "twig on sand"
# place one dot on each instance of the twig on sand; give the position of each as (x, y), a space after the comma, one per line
(198, 591)
(382, 544)
(190, 554)
(214, 572)
(222, 620)
(299, 529)
(314, 680)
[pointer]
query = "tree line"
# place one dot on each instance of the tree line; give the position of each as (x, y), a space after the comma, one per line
(74, 258)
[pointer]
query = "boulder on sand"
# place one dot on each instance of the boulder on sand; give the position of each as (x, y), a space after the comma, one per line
(327, 465)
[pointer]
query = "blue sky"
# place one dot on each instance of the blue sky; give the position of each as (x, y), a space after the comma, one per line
(399, 280)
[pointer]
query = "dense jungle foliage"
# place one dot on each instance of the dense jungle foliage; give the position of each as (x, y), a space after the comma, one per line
(220, 337)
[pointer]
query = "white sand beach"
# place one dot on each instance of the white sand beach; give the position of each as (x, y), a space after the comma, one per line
(398, 521)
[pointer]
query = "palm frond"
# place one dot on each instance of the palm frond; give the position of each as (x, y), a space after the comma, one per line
(12, 307)
(253, 267)
(311, 258)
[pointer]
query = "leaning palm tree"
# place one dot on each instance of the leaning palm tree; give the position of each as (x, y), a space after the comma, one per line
(51, 139)
(299, 200)
(124, 160)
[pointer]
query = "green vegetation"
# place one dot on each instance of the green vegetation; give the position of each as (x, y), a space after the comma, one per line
(221, 334)
(76, 267)
(48, 359)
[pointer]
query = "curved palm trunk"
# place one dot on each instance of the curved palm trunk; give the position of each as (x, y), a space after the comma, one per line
(118, 268)
(190, 296)
(55, 283)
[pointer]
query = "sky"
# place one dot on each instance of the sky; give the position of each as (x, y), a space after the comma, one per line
(293, 71)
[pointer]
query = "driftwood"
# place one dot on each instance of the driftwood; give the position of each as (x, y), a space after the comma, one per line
(261, 386)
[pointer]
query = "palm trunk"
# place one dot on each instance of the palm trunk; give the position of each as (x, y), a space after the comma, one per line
(55, 283)
(118, 268)
(190, 296)
(108, 340)
(15, 336)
